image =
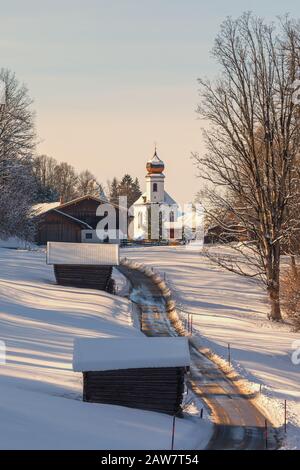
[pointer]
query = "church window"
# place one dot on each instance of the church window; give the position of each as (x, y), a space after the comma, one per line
(140, 219)
(160, 225)
(155, 187)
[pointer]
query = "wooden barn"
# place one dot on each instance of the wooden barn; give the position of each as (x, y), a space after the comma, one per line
(74, 221)
(83, 264)
(144, 373)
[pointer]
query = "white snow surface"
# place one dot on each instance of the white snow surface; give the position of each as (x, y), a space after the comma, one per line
(228, 308)
(17, 243)
(40, 396)
(129, 353)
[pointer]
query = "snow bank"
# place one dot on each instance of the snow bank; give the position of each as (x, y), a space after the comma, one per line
(126, 353)
(17, 244)
(227, 308)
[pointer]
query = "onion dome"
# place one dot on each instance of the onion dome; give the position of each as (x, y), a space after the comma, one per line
(155, 165)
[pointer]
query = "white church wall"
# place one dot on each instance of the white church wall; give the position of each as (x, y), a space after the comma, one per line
(140, 223)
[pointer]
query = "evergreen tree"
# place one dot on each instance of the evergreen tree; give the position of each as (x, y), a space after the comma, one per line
(129, 188)
(136, 190)
(114, 191)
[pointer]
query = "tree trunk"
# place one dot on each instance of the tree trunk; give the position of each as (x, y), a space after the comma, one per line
(274, 282)
(275, 313)
(294, 266)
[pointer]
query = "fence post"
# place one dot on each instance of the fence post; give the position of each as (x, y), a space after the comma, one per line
(191, 324)
(285, 416)
(229, 354)
(266, 433)
(201, 413)
(173, 432)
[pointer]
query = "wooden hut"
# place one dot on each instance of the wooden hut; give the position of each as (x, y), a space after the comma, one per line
(145, 373)
(83, 264)
(73, 221)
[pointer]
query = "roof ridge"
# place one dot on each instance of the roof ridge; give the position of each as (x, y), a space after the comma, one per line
(73, 218)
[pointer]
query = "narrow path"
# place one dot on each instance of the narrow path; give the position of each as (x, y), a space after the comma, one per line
(239, 424)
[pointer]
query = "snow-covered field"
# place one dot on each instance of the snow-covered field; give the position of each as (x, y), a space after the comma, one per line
(231, 309)
(40, 395)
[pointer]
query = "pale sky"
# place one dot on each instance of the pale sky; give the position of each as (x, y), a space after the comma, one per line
(111, 77)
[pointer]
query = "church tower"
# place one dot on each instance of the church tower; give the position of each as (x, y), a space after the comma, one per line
(153, 215)
(155, 191)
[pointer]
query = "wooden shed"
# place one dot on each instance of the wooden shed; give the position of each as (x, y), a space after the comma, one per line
(83, 264)
(69, 221)
(145, 373)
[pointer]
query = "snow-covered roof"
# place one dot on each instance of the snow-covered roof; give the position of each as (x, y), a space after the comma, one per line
(39, 209)
(167, 200)
(74, 219)
(103, 254)
(82, 198)
(100, 200)
(98, 354)
(42, 208)
(155, 158)
(140, 200)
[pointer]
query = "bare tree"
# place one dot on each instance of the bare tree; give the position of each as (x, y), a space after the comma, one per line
(290, 296)
(60, 181)
(17, 144)
(252, 142)
(88, 184)
(65, 181)
(44, 169)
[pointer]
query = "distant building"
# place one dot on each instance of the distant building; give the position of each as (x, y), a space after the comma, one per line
(74, 221)
(155, 213)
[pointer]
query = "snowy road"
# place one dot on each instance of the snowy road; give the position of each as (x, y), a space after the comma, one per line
(238, 422)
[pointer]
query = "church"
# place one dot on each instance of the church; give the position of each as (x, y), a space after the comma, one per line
(155, 213)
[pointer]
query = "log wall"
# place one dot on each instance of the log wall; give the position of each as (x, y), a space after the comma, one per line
(88, 276)
(153, 389)
(54, 227)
